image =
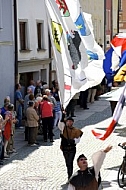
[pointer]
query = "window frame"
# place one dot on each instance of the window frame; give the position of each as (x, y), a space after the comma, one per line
(40, 40)
(26, 35)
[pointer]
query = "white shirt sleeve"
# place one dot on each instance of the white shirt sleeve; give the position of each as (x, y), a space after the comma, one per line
(98, 159)
(61, 126)
(71, 187)
(77, 140)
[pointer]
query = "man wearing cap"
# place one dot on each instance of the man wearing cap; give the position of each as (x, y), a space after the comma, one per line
(87, 178)
(70, 136)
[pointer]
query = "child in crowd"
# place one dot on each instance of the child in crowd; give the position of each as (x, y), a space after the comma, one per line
(2, 123)
(1, 139)
(10, 146)
(8, 128)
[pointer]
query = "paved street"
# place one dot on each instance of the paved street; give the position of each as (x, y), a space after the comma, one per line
(43, 167)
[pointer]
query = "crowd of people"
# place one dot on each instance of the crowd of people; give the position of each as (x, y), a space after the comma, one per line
(7, 129)
(41, 104)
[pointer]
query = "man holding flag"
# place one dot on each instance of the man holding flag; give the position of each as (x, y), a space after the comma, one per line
(88, 178)
(70, 136)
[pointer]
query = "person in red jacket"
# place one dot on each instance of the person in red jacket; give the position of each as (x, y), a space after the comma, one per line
(46, 112)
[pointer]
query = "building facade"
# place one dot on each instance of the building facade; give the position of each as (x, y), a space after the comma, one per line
(7, 70)
(108, 23)
(104, 18)
(122, 16)
(115, 17)
(96, 9)
(33, 47)
(33, 42)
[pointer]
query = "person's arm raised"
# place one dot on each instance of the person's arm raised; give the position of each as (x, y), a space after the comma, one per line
(107, 149)
(98, 158)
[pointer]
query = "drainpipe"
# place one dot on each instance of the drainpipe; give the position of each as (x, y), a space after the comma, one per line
(104, 25)
(15, 41)
(118, 18)
(15, 46)
(50, 64)
(111, 19)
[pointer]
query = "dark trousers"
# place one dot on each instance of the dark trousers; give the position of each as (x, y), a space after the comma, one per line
(32, 134)
(83, 98)
(71, 107)
(1, 150)
(2, 153)
(26, 133)
(113, 105)
(47, 127)
(69, 158)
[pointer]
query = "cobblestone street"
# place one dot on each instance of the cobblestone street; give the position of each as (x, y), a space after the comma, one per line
(43, 167)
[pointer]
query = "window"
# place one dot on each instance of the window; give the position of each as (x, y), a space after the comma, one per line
(23, 35)
(40, 37)
(108, 19)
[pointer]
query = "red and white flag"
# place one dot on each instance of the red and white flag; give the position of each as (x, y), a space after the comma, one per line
(116, 115)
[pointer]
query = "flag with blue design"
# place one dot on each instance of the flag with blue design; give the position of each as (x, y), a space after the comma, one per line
(70, 79)
(91, 55)
(76, 46)
(84, 25)
(119, 45)
(115, 59)
(110, 65)
(95, 53)
(74, 72)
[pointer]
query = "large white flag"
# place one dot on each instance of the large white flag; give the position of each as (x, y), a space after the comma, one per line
(94, 71)
(94, 51)
(75, 45)
(70, 80)
(72, 15)
(74, 73)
